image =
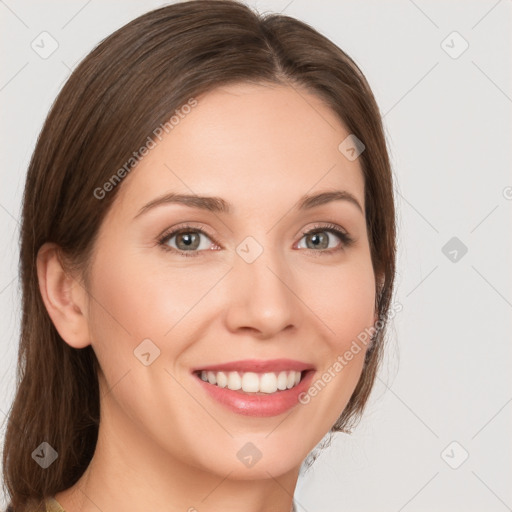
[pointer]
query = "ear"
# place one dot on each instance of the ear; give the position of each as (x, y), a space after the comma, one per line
(64, 297)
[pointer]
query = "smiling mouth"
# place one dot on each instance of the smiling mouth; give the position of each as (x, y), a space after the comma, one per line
(264, 383)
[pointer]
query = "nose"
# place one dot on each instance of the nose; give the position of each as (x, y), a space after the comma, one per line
(262, 296)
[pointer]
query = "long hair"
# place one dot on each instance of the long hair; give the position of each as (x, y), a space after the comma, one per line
(132, 82)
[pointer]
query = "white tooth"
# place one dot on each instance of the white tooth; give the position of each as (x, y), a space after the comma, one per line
(222, 380)
(268, 383)
(281, 380)
(234, 381)
(250, 382)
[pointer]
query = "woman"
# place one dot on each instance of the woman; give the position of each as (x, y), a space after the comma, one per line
(207, 259)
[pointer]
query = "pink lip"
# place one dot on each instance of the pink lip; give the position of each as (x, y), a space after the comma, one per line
(260, 405)
(257, 366)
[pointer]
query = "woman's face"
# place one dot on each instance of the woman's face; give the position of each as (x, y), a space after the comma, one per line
(240, 283)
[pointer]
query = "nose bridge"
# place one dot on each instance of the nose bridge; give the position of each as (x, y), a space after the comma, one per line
(261, 292)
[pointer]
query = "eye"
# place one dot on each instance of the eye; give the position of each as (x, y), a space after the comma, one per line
(320, 237)
(188, 241)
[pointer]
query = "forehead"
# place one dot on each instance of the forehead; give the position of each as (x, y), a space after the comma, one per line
(251, 144)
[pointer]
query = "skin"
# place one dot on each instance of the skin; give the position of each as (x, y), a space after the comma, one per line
(163, 443)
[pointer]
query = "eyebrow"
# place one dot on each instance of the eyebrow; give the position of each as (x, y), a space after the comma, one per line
(219, 205)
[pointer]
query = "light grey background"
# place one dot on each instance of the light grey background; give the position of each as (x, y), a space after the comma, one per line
(448, 121)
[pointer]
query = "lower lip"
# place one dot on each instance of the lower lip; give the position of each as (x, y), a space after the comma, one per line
(263, 405)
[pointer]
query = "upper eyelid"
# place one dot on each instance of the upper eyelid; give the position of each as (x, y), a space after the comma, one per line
(167, 233)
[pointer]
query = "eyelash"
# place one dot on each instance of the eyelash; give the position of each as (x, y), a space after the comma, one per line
(346, 239)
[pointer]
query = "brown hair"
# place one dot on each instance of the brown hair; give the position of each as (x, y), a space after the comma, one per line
(128, 85)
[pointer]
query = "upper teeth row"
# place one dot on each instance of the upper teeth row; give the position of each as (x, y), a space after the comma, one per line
(253, 382)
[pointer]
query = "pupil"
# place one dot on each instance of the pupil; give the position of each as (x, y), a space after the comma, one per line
(317, 242)
(187, 239)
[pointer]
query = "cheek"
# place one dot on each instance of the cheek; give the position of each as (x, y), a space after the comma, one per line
(344, 300)
(345, 305)
(126, 308)
(140, 298)
(143, 298)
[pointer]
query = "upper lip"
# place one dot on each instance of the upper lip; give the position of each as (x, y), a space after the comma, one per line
(258, 366)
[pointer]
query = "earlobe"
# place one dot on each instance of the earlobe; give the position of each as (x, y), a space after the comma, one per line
(63, 296)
